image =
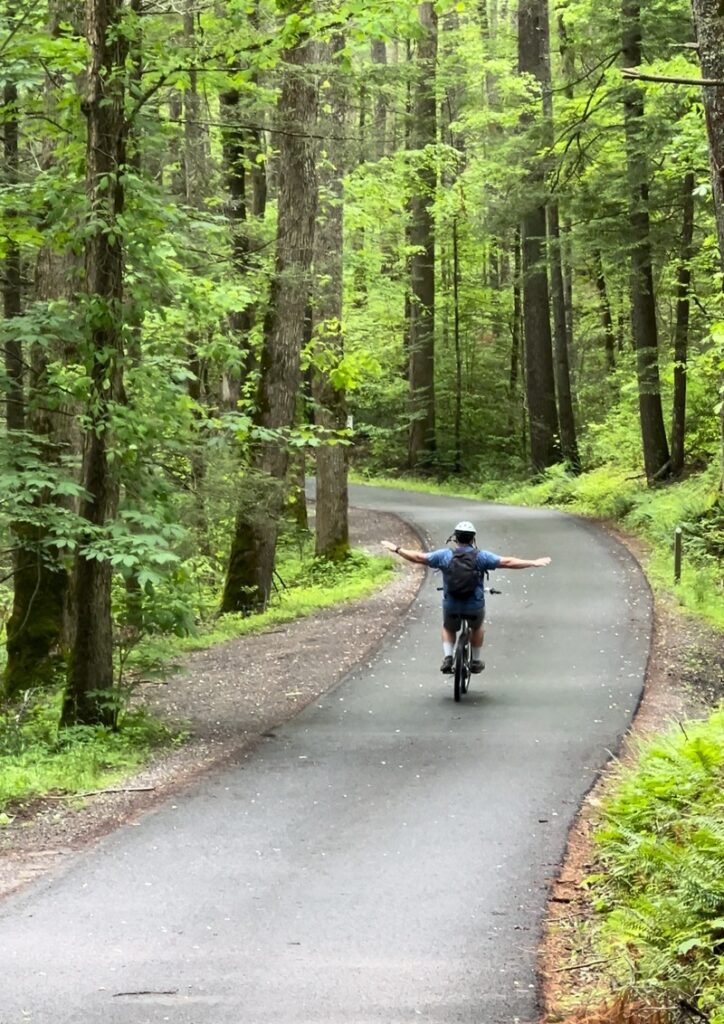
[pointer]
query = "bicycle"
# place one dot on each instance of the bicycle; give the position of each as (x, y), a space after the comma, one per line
(462, 656)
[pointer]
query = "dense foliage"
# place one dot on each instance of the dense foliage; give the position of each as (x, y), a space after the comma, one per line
(468, 240)
(662, 895)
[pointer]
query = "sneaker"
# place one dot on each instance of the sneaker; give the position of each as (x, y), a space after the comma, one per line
(476, 666)
(446, 666)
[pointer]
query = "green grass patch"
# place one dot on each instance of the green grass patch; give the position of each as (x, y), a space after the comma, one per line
(660, 895)
(38, 758)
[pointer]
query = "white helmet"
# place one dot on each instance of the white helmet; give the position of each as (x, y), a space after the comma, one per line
(465, 528)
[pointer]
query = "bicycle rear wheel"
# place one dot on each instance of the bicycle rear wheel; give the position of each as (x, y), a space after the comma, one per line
(461, 664)
(467, 655)
(458, 670)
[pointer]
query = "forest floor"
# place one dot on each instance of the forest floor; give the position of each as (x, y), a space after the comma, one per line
(685, 679)
(227, 698)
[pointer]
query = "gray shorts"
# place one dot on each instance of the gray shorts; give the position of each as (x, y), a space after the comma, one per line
(452, 621)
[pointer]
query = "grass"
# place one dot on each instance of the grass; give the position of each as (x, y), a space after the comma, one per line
(37, 758)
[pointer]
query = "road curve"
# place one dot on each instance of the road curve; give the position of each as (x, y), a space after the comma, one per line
(386, 855)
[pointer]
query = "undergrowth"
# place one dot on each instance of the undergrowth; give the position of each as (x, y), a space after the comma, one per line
(660, 894)
(38, 758)
(304, 585)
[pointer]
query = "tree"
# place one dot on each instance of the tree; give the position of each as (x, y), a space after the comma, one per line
(90, 676)
(253, 548)
(643, 304)
(540, 379)
(330, 406)
(681, 331)
(423, 137)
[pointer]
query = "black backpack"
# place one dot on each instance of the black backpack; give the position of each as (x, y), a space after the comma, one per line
(462, 575)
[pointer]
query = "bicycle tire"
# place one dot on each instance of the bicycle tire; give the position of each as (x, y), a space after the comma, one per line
(467, 655)
(461, 665)
(458, 669)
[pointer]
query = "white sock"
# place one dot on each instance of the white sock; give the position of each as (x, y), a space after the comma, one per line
(477, 653)
(447, 649)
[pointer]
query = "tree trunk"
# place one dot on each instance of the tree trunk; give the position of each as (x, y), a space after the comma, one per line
(681, 334)
(458, 350)
(90, 677)
(540, 377)
(423, 133)
(379, 57)
(609, 337)
(251, 561)
(246, 185)
(709, 23)
(643, 305)
(330, 405)
(569, 443)
(513, 400)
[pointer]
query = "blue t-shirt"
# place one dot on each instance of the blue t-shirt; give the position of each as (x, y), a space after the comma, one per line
(442, 558)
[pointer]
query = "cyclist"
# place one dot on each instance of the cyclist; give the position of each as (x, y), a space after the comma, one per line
(454, 609)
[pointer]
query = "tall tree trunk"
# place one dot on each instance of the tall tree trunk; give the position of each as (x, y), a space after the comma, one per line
(253, 548)
(246, 190)
(709, 22)
(681, 333)
(561, 333)
(422, 237)
(609, 337)
(513, 399)
(458, 429)
(540, 377)
(379, 57)
(569, 442)
(330, 405)
(643, 305)
(90, 677)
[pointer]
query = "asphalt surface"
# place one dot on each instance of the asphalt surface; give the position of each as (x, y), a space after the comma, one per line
(386, 855)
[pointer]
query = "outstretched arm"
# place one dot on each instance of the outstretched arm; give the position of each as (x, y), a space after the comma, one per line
(524, 563)
(406, 553)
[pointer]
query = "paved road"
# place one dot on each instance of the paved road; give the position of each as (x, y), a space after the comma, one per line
(385, 856)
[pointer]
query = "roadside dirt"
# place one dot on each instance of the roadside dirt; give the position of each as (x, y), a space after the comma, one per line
(685, 678)
(228, 697)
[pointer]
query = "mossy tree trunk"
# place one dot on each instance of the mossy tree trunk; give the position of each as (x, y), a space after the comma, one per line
(88, 697)
(540, 377)
(253, 548)
(657, 463)
(423, 133)
(330, 405)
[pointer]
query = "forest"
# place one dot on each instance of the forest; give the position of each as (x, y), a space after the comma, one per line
(477, 244)
(463, 241)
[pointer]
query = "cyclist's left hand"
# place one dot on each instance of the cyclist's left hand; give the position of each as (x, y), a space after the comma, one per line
(388, 544)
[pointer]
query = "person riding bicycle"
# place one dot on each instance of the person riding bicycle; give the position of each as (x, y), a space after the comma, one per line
(464, 600)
